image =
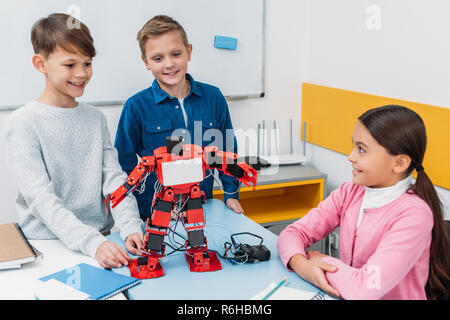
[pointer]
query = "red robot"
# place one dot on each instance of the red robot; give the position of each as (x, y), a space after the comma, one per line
(179, 168)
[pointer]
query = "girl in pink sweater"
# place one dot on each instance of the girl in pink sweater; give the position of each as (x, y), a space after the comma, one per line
(393, 242)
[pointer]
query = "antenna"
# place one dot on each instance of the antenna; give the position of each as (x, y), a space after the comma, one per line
(304, 138)
(276, 137)
(264, 137)
(257, 148)
(290, 137)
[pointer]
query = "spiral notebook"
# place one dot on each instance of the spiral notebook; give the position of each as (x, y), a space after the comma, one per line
(98, 283)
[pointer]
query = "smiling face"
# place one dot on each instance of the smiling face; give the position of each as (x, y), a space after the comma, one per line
(167, 57)
(66, 75)
(372, 165)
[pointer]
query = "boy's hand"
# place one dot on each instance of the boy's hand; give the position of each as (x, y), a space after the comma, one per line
(179, 216)
(234, 205)
(134, 242)
(110, 255)
(312, 269)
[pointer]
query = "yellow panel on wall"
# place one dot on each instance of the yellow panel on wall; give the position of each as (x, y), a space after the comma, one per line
(331, 114)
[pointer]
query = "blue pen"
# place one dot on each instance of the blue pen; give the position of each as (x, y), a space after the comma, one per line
(275, 289)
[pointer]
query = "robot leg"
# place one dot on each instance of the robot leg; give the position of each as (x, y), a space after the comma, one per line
(197, 255)
(148, 266)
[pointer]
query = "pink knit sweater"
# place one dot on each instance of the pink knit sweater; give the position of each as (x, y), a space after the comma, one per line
(386, 258)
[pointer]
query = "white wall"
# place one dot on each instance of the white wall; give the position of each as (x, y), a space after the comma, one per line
(406, 58)
(285, 40)
(327, 42)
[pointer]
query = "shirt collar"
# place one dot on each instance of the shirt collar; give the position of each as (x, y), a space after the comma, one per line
(161, 95)
(377, 197)
(195, 89)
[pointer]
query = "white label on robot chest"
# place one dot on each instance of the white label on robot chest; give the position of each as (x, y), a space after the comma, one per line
(182, 171)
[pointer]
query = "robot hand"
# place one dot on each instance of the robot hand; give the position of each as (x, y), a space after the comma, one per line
(228, 163)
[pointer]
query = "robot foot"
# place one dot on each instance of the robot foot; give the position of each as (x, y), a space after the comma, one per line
(203, 261)
(145, 268)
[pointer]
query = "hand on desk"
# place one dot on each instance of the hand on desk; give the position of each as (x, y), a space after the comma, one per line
(312, 269)
(110, 255)
(234, 205)
(134, 242)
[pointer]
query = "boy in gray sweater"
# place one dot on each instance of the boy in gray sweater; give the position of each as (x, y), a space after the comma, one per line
(61, 155)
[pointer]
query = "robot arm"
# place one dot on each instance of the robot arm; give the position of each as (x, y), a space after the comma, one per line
(227, 163)
(167, 162)
(145, 167)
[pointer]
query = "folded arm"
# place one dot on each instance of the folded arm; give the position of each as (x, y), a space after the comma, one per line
(397, 253)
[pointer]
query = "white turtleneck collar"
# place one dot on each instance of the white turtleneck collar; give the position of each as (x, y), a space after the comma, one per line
(378, 197)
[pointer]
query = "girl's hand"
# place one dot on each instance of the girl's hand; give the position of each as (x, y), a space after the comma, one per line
(312, 269)
(234, 205)
(316, 256)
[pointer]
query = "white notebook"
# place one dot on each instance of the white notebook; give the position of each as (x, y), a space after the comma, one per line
(57, 290)
(286, 293)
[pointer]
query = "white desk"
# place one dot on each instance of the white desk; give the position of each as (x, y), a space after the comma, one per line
(233, 281)
(20, 284)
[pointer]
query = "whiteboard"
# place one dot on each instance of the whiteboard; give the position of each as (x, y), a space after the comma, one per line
(118, 71)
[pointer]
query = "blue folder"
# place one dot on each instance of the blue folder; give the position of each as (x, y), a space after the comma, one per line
(99, 283)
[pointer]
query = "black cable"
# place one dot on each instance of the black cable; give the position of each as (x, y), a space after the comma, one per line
(241, 233)
(176, 233)
(237, 254)
(174, 249)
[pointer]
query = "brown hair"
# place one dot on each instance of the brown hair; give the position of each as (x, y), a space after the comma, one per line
(401, 131)
(59, 29)
(157, 26)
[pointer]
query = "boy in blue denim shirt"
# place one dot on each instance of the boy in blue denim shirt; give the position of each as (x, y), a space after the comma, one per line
(175, 104)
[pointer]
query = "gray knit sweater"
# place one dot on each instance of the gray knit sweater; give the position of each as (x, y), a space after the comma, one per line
(65, 164)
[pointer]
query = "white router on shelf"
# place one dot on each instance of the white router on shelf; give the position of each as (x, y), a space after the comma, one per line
(291, 159)
(282, 159)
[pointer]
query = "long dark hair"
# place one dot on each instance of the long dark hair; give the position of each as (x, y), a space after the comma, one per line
(401, 131)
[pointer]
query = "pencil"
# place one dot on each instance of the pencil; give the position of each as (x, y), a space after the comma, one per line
(275, 289)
